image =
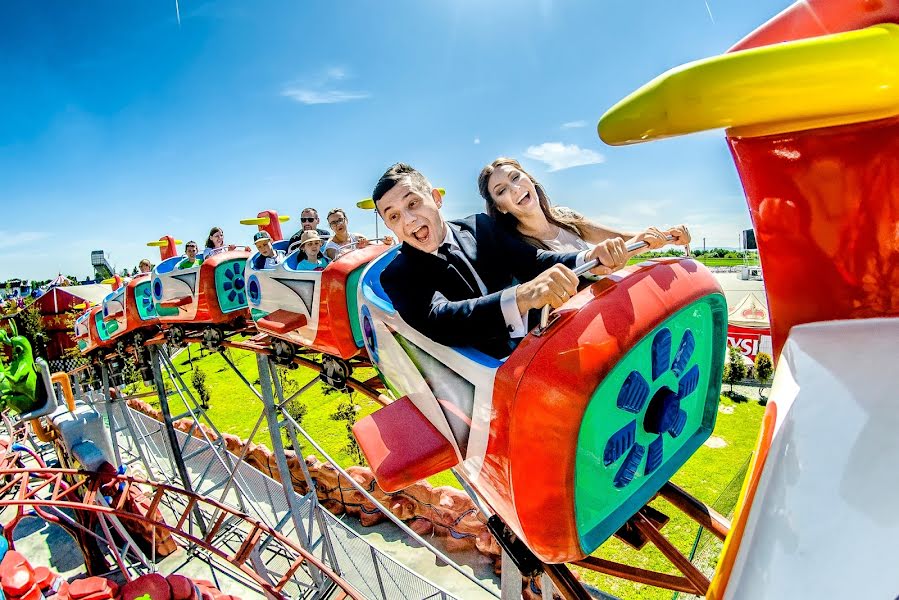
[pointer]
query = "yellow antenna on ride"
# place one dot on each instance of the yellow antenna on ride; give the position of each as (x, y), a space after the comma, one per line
(263, 220)
(161, 243)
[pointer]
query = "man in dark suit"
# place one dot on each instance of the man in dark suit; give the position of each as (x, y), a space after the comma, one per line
(468, 282)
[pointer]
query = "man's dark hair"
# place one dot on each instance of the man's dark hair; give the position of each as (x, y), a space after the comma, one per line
(394, 175)
(309, 209)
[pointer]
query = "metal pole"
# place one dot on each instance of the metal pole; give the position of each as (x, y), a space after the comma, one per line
(175, 448)
(510, 579)
(274, 430)
(104, 378)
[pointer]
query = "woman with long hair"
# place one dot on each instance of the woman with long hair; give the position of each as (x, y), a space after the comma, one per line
(338, 222)
(517, 201)
(215, 242)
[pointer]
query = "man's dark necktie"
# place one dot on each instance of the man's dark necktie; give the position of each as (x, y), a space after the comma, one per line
(455, 258)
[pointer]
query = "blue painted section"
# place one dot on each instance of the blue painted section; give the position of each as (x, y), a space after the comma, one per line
(372, 290)
(620, 442)
(661, 352)
(254, 290)
(655, 454)
(684, 353)
(629, 467)
(688, 382)
(633, 393)
(168, 265)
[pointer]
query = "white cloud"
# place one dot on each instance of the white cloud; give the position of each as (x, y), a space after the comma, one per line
(8, 239)
(574, 124)
(477, 141)
(563, 156)
(307, 96)
(321, 89)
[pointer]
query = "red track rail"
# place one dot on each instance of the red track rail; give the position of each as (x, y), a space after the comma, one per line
(47, 488)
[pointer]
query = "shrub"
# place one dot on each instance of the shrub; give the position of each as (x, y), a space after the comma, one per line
(198, 380)
(348, 412)
(764, 369)
(735, 370)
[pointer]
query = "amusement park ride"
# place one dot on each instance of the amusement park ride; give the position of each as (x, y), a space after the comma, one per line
(563, 443)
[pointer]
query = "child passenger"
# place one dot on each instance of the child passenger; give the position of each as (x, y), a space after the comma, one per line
(311, 244)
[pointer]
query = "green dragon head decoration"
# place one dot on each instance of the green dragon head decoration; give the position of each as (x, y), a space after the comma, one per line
(18, 381)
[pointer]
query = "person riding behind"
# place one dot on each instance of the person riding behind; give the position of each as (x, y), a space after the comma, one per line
(469, 282)
(309, 222)
(144, 265)
(338, 222)
(190, 253)
(311, 245)
(268, 257)
(215, 243)
(520, 204)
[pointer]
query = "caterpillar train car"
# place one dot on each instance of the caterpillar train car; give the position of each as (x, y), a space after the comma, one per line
(129, 312)
(579, 427)
(586, 419)
(210, 297)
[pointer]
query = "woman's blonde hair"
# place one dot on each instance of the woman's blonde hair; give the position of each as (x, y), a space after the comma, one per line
(567, 220)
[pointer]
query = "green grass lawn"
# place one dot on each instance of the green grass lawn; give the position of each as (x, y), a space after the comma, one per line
(710, 262)
(234, 409)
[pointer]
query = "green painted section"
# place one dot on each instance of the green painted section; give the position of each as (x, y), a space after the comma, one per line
(165, 311)
(257, 314)
(143, 297)
(101, 326)
(352, 304)
(601, 507)
(230, 287)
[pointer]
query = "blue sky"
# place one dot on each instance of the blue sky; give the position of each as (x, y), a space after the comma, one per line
(121, 124)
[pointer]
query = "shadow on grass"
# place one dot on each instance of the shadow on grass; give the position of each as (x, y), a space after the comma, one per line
(735, 396)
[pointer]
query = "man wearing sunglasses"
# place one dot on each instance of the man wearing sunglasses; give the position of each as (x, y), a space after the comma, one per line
(309, 220)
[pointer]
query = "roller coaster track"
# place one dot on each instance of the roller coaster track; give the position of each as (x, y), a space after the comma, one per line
(372, 388)
(44, 488)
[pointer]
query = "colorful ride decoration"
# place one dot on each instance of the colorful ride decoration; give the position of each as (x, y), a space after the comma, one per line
(129, 308)
(315, 309)
(19, 381)
(813, 130)
(812, 126)
(579, 427)
(212, 293)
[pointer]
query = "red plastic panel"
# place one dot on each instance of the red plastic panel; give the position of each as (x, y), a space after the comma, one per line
(335, 336)
(208, 310)
(543, 389)
(402, 446)
(16, 574)
(812, 18)
(825, 205)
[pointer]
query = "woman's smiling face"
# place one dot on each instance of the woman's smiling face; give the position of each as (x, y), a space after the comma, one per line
(513, 192)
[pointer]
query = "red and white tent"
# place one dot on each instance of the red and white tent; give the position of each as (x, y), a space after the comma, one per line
(748, 326)
(53, 307)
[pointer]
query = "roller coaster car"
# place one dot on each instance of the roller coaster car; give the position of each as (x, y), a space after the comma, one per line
(211, 294)
(129, 309)
(580, 426)
(91, 332)
(85, 330)
(315, 309)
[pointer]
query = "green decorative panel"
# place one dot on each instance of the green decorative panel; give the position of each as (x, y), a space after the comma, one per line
(230, 287)
(143, 297)
(647, 417)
